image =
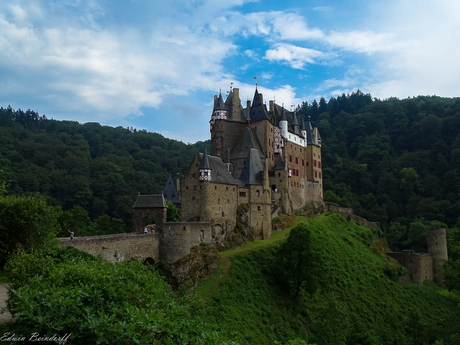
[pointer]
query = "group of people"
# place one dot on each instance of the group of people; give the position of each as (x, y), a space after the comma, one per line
(146, 229)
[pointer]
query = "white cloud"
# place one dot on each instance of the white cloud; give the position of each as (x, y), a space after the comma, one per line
(296, 56)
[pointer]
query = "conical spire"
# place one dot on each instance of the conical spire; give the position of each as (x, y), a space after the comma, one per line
(283, 115)
(205, 161)
(219, 103)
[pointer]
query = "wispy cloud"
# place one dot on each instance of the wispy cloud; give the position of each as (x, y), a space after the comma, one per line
(295, 56)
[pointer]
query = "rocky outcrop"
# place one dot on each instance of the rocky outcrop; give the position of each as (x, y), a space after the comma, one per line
(242, 232)
(198, 264)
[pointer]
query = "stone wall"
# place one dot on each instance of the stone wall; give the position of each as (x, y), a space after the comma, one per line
(117, 247)
(348, 213)
(419, 266)
(178, 237)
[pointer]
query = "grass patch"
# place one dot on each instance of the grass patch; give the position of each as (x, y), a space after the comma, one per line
(208, 286)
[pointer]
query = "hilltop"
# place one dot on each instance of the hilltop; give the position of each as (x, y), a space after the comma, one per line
(357, 302)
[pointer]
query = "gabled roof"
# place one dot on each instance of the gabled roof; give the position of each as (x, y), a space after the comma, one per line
(170, 191)
(150, 201)
(246, 142)
(258, 110)
(219, 170)
(251, 173)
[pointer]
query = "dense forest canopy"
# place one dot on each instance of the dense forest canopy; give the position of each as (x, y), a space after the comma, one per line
(90, 171)
(393, 161)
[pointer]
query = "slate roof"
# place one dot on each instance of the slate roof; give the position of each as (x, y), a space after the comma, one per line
(251, 173)
(247, 141)
(170, 191)
(258, 110)
(310, 136)
(219, 171)
(219, 103)
(149, 201)
(280, 163)
(205, 161)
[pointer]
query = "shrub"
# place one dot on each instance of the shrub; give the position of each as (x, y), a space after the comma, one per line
(25, 222)
(125, 303)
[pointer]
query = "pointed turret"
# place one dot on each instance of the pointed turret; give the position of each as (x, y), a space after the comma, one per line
(219, 111)
(258, 110)
(205, 168)
(283, 123)
(303, 129)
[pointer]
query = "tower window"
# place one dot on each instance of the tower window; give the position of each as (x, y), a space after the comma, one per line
(258, 208)
(257, 193)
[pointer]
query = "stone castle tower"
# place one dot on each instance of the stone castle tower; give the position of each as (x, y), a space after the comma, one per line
(437, 248)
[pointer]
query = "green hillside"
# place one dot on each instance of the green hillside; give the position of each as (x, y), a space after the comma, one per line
(356, 302)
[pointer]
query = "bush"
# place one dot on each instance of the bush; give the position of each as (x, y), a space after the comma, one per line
(25, 222)
(127, 303)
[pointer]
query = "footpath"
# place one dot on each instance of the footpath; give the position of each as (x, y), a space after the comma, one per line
(6, 316)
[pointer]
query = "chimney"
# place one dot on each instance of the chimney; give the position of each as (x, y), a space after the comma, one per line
(248, 104)
(178, 186)
(271, 106)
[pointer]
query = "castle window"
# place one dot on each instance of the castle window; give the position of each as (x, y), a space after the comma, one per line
(193, 175)
(307, 163)
(227, 188)
(228, 200)
(215, 187)
(303, 162)
(218, 201)
(319, 156)
(243, 194)
(222, 214)
(257, 193)
(279, 174)
(258, 208)
(316, 174)
(314, 162)
(290, 158)
(233, 188)
(314, 154)
(296, 160)
(319, 165)
(193, 198)
(186, 187)
(319, 175)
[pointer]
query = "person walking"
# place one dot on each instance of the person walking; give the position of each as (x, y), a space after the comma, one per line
(71, 234)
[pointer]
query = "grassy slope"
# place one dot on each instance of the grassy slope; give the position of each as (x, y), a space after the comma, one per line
(356, 304)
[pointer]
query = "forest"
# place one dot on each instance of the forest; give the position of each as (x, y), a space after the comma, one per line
(396, 162)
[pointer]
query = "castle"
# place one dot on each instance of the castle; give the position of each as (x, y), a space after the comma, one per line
(262, 157)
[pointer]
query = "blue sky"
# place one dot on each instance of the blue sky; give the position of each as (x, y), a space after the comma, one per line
(156, 65)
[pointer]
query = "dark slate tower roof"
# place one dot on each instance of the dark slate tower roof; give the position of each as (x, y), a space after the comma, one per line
(205, 161)
(170, 191)
(280, 163)
(246, 142)
(219, 103)
(251, 173)
(258, 110)
(150, 201)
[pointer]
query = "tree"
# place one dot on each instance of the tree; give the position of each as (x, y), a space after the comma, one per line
(172, 213)
(298, 265)
(25, 222)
